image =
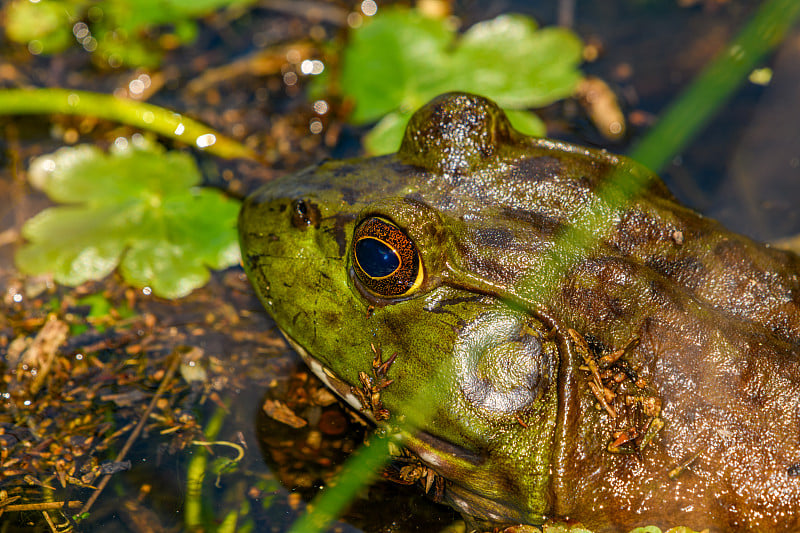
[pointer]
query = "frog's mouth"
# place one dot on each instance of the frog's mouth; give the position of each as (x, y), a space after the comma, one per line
(446, 459)
(327, 376)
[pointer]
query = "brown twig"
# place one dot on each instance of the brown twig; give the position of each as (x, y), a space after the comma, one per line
(42, 506)
(173, 367)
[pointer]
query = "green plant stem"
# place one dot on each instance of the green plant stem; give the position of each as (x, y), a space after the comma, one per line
(228, 525)
(359, 471)
(193, 505)
(138, 114)
(715, 85)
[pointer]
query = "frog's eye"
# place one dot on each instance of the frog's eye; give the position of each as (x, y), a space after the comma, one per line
(385, 260)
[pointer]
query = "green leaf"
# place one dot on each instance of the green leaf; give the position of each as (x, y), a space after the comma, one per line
(535, 69)
(386, 136)
(137, 207)
(399, 60)
(48, 23)
(392, 61)
(123, 30)
(526, 122)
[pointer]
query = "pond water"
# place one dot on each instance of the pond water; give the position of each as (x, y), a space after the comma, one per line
(743, 169)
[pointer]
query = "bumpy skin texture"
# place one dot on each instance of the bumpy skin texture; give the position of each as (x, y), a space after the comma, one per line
(708, 321)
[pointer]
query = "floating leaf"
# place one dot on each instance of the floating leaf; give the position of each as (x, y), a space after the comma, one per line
(138, 208)
(401, 59)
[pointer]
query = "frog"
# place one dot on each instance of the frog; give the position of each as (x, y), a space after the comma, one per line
(650, 376)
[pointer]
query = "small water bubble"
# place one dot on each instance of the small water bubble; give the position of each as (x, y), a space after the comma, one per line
(17, 297)
(315, 126)
(320, 107)
(204, 141)
(354, 20)
(79, 356)
(90, 44)
(293, 56)
(114, 61)
(35, 47)
(147, 291)
(312, 66)
(148, 117)
(136, 87)
(317, 33)
(73, 99)
(95, 13)
(369, 7)
(80, 30)
(121, 143)
(260, 39)
(290, 78)
(48, 165)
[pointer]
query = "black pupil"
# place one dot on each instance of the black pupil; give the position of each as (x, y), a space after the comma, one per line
(376, 258)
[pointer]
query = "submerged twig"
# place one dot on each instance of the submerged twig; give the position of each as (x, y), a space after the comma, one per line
(40, 506)
(173, 367)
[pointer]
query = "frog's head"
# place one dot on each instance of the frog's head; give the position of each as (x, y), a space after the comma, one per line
(413, 255)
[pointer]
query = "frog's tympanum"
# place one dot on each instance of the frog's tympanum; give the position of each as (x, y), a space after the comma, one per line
(657, 382)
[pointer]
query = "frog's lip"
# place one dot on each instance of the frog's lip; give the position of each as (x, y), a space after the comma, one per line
(428, 447)
(327, 376)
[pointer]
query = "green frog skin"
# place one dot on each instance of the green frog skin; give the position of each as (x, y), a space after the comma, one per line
(657, 384)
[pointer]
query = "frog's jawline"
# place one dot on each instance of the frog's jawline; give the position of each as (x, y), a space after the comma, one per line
(463, 499)
(328, 378)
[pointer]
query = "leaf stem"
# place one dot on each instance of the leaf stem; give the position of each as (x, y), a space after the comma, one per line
(138, 114)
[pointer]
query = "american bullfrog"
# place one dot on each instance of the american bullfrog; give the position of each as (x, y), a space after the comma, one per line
(656, 381)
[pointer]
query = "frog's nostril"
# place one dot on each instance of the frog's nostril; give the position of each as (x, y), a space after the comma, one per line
(304, 214)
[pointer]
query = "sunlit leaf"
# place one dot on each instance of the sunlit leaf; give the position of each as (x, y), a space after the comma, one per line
(138, 208)
(401, 59)
(395, 61)
(45, 27)
(526, 122)
(388, 132)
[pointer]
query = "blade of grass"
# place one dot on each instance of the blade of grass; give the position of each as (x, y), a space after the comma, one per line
(139, 114)
(682, 120)
(679, 123)
(358, 472)
(196, 473)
